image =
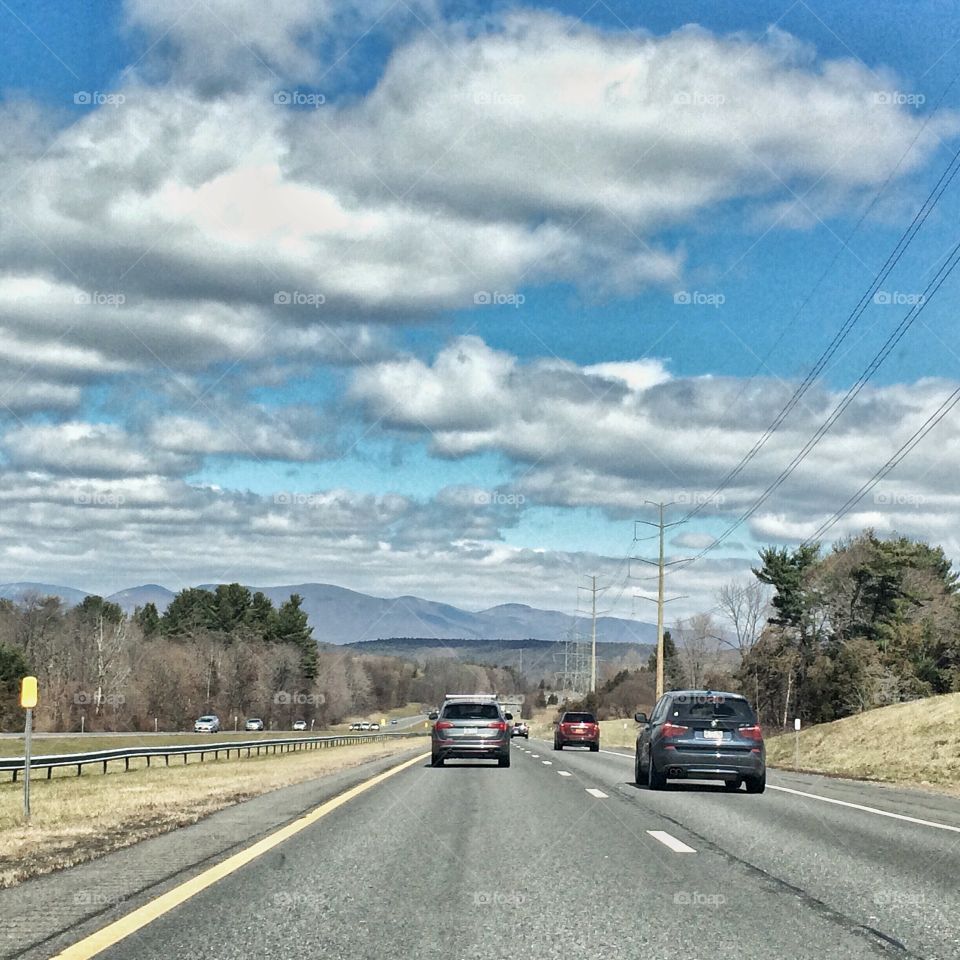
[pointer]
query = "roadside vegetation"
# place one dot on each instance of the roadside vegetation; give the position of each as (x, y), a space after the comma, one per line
(78, 819)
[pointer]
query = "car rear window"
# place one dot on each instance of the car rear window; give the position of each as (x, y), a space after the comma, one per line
(579, 718)
(710, 708)
(471, 711)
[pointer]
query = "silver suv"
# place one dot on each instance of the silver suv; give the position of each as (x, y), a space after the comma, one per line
(470, 727)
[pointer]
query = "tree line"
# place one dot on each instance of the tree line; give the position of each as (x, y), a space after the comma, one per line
(225, 651)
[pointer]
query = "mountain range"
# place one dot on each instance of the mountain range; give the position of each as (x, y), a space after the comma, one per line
(339, 615)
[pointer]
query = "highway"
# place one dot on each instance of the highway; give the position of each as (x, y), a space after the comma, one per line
(562, 856)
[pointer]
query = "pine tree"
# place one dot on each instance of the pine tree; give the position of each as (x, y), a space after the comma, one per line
(293, 627)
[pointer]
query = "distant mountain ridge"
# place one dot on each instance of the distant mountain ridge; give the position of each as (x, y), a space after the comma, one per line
(339, 615)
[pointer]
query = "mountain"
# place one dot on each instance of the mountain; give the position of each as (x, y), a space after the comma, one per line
(135, 597)
(339, 615)
(18, 591)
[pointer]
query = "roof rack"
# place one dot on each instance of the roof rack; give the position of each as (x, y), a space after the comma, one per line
(470, 696)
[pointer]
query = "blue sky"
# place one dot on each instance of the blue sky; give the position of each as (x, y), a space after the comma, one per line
(207, 401)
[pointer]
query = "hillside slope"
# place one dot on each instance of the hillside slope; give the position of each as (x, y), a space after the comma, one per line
(909, 743)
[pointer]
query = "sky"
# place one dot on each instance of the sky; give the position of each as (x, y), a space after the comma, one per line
(438, 299)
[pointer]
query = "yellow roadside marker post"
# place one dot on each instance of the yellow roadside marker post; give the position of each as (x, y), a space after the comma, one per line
(28, 700)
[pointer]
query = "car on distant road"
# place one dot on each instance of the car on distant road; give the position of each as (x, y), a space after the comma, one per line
(354, 726)
(374, 726)
(253, 723)
(701, 735)
(470, 727)
(365, 725)
(299, 724)
(207, 724)
(520, 729)
(577, 728)
(392, 722)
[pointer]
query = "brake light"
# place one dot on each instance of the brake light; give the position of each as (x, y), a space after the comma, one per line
(442, 725)
(498, 725)
(674, 730)
(751, 733)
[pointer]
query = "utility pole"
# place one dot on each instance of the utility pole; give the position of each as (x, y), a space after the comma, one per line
(593, 632)
(661, 526)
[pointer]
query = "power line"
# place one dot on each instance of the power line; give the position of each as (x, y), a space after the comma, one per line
(906, 238)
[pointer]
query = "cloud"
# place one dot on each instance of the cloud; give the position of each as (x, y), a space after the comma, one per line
(586, 437)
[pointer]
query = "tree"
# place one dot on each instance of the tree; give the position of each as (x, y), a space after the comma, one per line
(262, 617)
(13, 667)
(672, 668)
(147, 619)
(743, 606)
(293, 628)
(190, 610)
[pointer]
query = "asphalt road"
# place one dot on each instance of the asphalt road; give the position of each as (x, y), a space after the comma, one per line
(562, 856)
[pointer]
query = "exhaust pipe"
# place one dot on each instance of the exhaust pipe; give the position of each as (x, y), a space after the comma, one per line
(675, 773)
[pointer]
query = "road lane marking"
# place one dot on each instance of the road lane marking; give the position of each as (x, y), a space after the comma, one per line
(565, 773)
(536, 756)
(547, 763)
(599, 794)
(120, 929)
(860, 806)
(677, 846)
(613, 753)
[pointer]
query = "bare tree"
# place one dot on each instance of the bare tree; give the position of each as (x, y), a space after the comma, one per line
(744, 606)
(696, 642)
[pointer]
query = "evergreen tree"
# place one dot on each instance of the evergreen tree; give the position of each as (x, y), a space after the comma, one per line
(293, 628)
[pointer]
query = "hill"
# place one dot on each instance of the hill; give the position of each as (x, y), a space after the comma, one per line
(22, 589)
(916, 743)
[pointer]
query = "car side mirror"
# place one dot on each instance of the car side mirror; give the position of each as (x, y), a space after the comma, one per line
(433, 716)
(508, 716)
(640, 717)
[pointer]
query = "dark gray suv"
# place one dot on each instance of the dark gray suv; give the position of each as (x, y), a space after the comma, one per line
(470, 727)
(701, 735)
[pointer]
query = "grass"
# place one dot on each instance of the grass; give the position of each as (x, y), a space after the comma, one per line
(78, 819)
(914, 744)
(13, 746)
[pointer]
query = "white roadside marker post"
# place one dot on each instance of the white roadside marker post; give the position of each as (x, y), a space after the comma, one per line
(796, 743)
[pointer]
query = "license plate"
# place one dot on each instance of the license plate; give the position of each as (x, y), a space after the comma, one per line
(471, 732)
(713, 734)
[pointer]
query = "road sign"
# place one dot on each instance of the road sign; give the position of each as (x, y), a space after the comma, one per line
(28, 693)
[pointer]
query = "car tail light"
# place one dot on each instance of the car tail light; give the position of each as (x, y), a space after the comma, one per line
(751, 733)
(442, 725)
(500, 725)
(674, 730)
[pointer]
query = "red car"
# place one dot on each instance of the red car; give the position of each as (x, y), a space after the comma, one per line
(577, 728)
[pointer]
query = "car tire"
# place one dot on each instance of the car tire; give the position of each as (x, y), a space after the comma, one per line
(557, 745)
(503, 761)
(639, 777)
(756, 784)
(594, 747)
(436, 760)
(732, 786)
(655, 779)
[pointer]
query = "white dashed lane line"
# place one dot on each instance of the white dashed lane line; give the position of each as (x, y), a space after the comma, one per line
(677, 846)
(547, 763)
(564, 773)
(594, 792)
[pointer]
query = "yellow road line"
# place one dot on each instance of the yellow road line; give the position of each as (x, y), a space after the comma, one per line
(119, 929)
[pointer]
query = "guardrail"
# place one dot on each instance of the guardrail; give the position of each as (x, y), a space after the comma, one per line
(282, 745)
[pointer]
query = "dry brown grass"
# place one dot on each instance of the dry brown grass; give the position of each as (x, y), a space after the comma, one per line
(916, 743)
(79, 818)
